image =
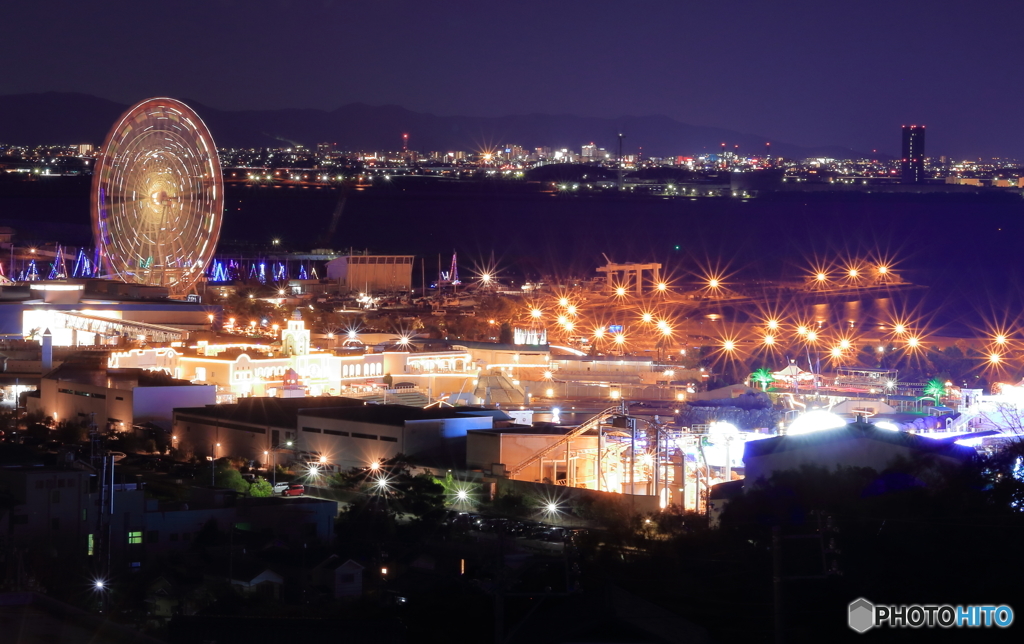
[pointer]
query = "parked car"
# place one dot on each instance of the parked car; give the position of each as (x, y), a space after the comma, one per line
(279, 488)
(295, 489)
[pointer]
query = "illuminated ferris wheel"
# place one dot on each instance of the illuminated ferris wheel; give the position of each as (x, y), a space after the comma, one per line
(158, 196)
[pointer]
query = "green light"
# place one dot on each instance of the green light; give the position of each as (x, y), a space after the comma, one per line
(762, 377)
(935, 389)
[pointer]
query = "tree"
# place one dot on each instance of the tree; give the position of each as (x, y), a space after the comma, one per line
(68, 433)
(261, 488)
(936, 389)
(505, 335)
(421, 496)
(762, 377)
(1006, 416)
(228, 477)
(456, 491)
(36, 434)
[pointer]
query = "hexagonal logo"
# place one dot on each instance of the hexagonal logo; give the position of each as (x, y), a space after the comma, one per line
(862, 615)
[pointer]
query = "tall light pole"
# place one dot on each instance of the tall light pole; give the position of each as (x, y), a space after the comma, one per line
(213, 463)
(272, 452)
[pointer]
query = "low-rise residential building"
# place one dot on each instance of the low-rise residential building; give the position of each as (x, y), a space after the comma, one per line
(55, 518)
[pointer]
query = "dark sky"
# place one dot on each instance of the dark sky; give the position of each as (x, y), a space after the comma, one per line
(810, 72)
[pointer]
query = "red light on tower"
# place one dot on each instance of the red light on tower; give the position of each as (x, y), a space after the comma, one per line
(405, 142)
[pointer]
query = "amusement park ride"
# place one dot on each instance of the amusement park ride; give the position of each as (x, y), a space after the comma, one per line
(158, 197)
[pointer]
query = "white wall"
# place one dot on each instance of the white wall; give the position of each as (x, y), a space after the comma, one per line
(349, 451)
(861, 452)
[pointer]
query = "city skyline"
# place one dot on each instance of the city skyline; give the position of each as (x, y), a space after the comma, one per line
(801, 73)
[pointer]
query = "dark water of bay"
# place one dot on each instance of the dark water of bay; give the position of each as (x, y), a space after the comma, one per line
(966, 249)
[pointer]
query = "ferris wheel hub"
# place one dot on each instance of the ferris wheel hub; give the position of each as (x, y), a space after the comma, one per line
(158, 198)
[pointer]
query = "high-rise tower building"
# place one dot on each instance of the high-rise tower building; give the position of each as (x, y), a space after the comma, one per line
(912, 163)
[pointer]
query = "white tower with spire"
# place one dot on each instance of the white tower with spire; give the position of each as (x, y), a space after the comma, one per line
(295, 338)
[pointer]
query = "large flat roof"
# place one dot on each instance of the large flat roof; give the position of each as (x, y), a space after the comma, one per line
(395, 415)
(91, 369)
(276, 412)
(284, 412)
(853, 432)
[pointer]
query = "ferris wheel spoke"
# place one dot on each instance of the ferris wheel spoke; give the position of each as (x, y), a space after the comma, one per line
(159, 191)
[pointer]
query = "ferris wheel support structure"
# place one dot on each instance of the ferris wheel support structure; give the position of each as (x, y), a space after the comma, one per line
(158, 197)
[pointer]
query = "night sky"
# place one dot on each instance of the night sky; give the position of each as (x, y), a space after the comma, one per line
(806, 72)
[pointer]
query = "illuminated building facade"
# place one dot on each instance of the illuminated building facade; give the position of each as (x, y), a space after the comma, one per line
(242, 369)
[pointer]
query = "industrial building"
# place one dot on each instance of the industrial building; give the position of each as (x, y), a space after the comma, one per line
(84, 390)
(97, 312)
(857, 444)
(345, 432)
(371, 273)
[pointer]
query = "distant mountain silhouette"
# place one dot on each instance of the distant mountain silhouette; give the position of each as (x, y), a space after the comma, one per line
(69, 118)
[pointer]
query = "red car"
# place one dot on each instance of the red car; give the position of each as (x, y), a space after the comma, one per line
(295, 489)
